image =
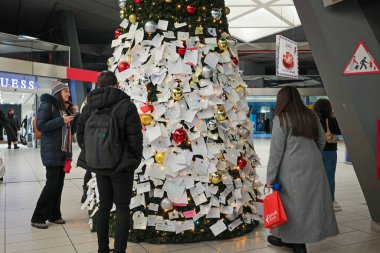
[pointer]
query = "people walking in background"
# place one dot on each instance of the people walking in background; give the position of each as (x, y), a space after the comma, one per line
(114, 180)
(267, 125)
(57, 121)
(24, 124)
(1, 132)
(15, 125)
(295, 161)
(330, 125)
(12, 136)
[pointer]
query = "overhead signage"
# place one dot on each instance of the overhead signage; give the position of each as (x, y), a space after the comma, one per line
(16, 81)
(362, 63)
(286, 57)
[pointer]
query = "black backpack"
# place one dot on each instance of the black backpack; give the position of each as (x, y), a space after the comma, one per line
(103, 144)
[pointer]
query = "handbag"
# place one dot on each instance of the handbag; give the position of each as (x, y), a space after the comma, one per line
(274, 213)
(330, 137)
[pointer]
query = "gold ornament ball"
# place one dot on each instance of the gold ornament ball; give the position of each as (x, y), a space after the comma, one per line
(222, 44)
(159, 158)
(132, 18)
(177, 93)
(146, 119)
(216, 177)
(168, 1)
(220, 115)
(240, 89)
(227, 10)
(122, 14)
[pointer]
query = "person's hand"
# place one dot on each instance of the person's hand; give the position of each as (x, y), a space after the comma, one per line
(67, 119)
(75, 108)
(269, 186)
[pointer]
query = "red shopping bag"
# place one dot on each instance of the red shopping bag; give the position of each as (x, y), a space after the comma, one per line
(274, 214)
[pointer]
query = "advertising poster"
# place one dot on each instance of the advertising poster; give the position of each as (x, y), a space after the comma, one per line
(286, 57)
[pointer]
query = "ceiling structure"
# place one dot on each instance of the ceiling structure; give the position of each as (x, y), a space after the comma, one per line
(251, 20)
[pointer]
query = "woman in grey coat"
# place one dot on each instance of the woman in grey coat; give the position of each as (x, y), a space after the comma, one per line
(296, 163)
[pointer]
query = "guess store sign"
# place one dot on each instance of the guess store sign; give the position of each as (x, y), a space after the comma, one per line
(16, 81)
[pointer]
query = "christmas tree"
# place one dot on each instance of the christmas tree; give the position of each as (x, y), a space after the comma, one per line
(179, 65)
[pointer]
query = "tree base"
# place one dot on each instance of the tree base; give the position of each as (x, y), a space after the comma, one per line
(199, 234)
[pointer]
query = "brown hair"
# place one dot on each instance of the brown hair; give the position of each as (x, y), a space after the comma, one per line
(293, 113)
(323, 108)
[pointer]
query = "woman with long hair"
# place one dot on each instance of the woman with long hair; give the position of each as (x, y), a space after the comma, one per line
(57, 120)
(330, 125)
(295, 162)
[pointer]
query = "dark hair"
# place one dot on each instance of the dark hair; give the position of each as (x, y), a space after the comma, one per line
(106, 79)
(323, 108)
(292, 112)
(62, 104)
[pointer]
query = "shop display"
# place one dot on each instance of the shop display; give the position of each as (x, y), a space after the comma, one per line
(197, 180)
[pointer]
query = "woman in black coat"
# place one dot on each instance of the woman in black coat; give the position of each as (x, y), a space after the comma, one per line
(57, 120)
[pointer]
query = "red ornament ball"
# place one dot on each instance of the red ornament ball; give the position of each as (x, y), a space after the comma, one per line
(181, 51)
(241, 162)
(123, 66)
(138, 1)
(235, 61)
(117, 33)
(191, 9)
(179, 135)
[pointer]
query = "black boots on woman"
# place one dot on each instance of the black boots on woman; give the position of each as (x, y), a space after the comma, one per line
(297, 248)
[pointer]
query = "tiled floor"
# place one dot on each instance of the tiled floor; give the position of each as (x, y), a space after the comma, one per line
(25, 177)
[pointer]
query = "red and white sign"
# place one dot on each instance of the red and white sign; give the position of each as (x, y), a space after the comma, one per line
(286, 57)
(362, 63)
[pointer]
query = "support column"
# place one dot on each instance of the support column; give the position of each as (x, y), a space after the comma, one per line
(333, 34)
(70, 36)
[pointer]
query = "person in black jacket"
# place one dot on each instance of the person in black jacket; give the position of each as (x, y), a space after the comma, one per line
(15, 125)
(114, 185)
(8, 129)
(325, 113)
(57, 120)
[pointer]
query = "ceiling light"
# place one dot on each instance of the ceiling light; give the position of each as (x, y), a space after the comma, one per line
(26, 37)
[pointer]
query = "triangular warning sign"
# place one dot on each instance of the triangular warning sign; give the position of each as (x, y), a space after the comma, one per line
(362, 63)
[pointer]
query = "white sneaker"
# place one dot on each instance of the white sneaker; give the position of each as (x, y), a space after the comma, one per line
(337, 207)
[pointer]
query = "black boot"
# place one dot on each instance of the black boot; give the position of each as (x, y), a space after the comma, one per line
(16, 147)
(299, 248)
(9, 147)
(275, 241)
(84, 196)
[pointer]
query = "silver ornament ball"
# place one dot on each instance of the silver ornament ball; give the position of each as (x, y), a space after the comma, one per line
(212, 124)
(231, 217)
(245, 132)
(207, 72)
(122, 3)
(166, 204)
(150, 27)
(216, 13)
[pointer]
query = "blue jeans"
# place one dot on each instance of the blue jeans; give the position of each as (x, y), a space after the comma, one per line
(329, 160)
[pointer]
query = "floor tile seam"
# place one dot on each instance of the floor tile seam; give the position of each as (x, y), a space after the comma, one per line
(23, 251)
(46, 248)
(263, 247)
(193, 247)
(33, 240)
(70, 239)
(350, 244)
(30, 166)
